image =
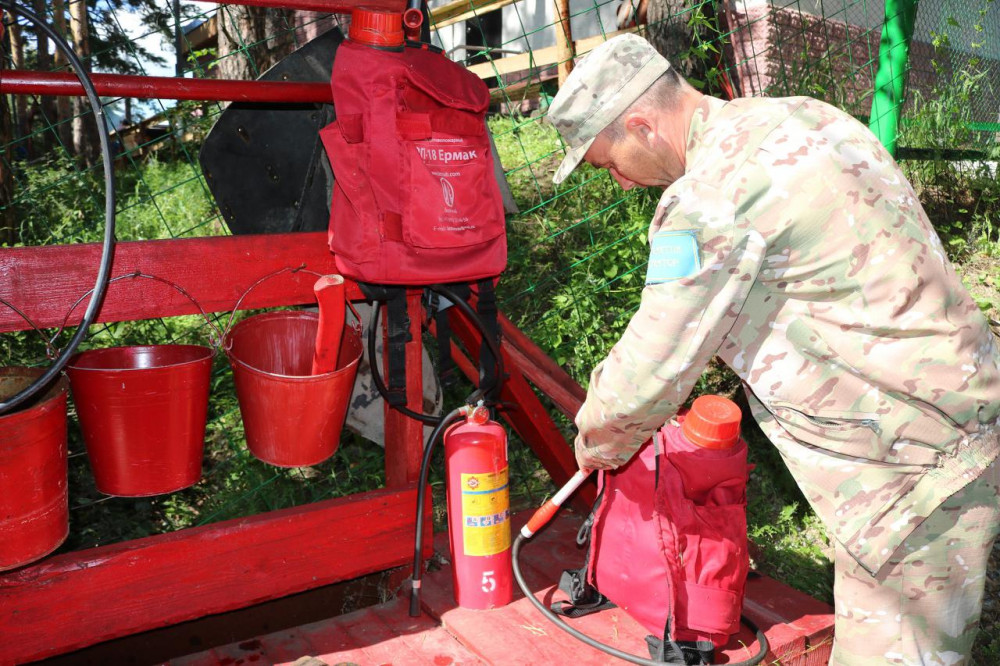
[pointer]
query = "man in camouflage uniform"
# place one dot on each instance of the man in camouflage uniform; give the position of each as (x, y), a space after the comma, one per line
(789, 243)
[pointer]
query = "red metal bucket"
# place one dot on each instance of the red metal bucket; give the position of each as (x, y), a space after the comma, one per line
(34, 505)
(142, 411)
(291, 418)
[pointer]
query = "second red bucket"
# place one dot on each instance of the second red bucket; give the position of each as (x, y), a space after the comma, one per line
(142, 411)
(291, 417)
(34, 504)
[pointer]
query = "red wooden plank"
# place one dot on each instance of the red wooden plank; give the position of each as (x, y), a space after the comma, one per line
(201, 659)
(78, 599)
(285, 646)
(435, 643)
(554, 382)
(383, 634)
(404, 437)
(380, 644)
(245, 652)
(798, 627)
(45, 282)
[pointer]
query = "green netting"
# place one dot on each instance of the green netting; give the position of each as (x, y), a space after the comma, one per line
(577, 250)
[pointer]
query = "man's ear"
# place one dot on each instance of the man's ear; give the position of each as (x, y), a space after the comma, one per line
(641, 126)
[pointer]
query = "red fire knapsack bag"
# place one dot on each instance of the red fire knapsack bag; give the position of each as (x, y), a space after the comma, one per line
(671, 552)
(415, 199)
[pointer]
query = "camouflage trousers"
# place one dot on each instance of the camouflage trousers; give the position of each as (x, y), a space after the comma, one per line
(923, 606)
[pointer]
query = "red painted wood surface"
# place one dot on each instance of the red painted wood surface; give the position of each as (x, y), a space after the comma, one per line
(404, 437)
(379, 635)
(799, 628)
(45, 282)
(78, 599)
(23, 82)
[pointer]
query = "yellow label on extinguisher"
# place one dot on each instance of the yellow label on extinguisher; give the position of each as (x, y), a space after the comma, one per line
(485, 513)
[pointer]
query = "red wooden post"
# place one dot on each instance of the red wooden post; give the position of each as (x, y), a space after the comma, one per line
(404, 437)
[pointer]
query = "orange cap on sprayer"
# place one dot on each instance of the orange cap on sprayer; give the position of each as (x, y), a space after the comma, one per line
(712, 423)
(376, 27)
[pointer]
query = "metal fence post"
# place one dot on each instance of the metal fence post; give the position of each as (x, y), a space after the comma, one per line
(893, 65)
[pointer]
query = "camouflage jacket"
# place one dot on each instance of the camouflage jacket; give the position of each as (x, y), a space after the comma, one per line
(817, 277)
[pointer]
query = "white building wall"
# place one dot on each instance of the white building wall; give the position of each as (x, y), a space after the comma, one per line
(529, 24)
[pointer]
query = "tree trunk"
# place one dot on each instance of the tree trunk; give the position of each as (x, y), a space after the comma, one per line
(252, 39)
(45, 104)
(21, 123)
(7, 221)
(83, 134)
(64, 108)
(670, 34)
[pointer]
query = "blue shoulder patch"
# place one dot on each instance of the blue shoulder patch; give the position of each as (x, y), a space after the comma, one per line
(673, 255)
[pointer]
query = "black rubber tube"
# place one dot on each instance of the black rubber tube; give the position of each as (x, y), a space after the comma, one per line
(430, 419)
(418, 541)
(607, 649)
(107, 252)
(426, 419)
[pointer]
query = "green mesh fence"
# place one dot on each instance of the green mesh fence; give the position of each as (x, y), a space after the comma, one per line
(577, 250)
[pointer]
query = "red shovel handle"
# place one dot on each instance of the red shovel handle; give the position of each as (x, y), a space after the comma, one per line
(329, 291)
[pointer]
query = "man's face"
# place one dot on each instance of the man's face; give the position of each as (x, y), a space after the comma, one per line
(614, 157)
(634, 161)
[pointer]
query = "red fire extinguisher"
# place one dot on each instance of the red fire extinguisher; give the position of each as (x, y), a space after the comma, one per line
(475, 452)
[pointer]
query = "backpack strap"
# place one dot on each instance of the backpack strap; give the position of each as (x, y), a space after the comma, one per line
(584, 598)
(667, 651)
(437, 306)
(486, 308)
(398, 322)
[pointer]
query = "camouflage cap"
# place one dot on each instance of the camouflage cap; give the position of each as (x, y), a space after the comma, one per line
(599, 89)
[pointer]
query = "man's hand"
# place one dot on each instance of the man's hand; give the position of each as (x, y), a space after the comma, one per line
(588, 460)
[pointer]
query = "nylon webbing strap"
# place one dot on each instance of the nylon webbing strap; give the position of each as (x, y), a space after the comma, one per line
(398, 324)
(399, 335)
(486, 307)
(690, 653)
(584, 598)
(446, 364)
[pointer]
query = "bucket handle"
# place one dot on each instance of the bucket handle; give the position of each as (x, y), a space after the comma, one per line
(51, 351)
(301, 268)
(215, 342)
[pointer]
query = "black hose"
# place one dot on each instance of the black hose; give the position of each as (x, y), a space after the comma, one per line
(607, 649)
(426, 419)
(418, 544)
(104, 271)
(447, 292)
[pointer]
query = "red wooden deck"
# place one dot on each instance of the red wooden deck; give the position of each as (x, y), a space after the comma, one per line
(799, 628)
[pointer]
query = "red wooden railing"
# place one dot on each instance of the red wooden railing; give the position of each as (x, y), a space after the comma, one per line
(77, 599)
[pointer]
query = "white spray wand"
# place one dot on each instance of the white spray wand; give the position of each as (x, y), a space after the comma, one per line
(544, 514)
